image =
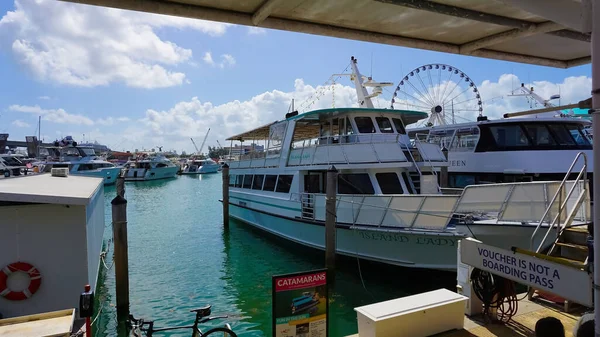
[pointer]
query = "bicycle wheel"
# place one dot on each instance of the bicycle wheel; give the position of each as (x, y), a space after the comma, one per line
(214, 332)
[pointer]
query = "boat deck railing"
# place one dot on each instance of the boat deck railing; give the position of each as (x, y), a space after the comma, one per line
(362, 148)
(522, 202)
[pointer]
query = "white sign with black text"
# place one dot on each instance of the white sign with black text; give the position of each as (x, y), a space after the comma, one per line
(567, 282)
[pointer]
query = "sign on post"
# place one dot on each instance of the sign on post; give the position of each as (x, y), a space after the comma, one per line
(565, 281)
(300, 304)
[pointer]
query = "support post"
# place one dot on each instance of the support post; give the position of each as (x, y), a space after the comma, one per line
(596, 146)
(119, 224)
(330, 219)
(225, 173)
(444, 170)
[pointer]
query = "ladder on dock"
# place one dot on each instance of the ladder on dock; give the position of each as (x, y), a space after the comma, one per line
(570, 244)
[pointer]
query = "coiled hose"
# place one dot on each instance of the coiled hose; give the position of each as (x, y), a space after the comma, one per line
(497, 293)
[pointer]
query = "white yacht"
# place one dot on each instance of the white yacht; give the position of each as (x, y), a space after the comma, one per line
(149, 166)
(81, 161)
(509, 150)
(389, 207)
(200, 166)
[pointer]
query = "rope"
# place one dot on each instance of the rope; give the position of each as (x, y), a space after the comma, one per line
(496, 293)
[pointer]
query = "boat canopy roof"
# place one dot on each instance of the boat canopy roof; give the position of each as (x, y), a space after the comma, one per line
(307, 124)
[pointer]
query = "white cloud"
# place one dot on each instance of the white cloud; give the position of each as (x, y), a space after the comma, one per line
(20, 124)
(111, 120)
(44, 97)
(93, 46)
(227, 60)
(53, 115)
(208, 58)
(256, 31)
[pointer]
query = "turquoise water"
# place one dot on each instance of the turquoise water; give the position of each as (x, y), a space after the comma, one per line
(180, 257)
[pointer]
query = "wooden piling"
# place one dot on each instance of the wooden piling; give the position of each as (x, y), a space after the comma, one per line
(225, 172)
(330, 219)
(119, 224)
(444, 170)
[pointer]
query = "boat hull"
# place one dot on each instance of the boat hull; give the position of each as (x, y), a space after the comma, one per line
(202, 170)
(414, 249)
(506, 236)
(150, 174)
(109, 174)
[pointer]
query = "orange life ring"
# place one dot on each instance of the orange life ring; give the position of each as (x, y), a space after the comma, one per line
(35, 280)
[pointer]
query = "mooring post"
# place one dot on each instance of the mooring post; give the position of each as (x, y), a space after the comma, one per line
(444, 170)
(119, 224)
(225, 173)
(330, 219)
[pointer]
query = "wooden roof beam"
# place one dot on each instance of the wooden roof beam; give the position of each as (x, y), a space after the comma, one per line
(264, 11)
(509, 35)
(469, 14)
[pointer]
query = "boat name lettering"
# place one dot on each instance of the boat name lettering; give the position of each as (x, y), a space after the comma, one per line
(298, 156)
(383, 236)
(457, 162)
(436, 242)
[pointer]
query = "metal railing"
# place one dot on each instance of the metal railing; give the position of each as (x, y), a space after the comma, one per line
(582, 176)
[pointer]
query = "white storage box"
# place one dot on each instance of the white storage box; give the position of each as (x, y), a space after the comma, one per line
(418, 315)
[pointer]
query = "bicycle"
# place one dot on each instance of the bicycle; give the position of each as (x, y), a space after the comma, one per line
(202, 316)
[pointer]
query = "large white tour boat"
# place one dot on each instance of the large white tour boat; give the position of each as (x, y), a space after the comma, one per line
(389, 204)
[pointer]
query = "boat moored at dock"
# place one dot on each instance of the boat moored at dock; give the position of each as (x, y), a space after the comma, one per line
(200, 166)
(81, 161)
(149, 166)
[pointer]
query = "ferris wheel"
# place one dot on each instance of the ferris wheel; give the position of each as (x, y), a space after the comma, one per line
(446, 93)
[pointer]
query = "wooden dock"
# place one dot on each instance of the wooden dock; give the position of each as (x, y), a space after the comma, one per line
(521, 325)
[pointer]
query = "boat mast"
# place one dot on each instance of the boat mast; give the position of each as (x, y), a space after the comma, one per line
(364, 101)
(39, 140)
(204, 141)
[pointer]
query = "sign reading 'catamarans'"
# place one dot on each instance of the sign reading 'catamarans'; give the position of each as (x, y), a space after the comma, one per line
(300, 304)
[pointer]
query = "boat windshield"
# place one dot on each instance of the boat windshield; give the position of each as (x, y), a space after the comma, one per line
(87, 152)
(12, 161)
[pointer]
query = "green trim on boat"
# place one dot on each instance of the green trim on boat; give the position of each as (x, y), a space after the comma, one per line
(268, 204)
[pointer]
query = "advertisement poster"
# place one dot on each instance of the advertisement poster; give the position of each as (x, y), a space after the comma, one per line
(300, 304)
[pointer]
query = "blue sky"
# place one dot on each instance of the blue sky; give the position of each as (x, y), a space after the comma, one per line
(38, 61)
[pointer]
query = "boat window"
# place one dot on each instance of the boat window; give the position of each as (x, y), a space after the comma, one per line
(247, 181)
(270, 181)
(232, 180)
(509, 135)
(461, 180)
(161, 165)
(239, 181)
(562, 134)
(409, 187)
(348, 128)
(389, 183)
(355, 183)
(284, 183)
(384, 124)
(539, 134)
(85, 167)
(257, 182)
(399, 125)
(364, 124)
(577, 133)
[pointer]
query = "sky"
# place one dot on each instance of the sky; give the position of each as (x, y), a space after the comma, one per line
(137, 81)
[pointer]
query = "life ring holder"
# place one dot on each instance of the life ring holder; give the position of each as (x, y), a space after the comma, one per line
(35, 280)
